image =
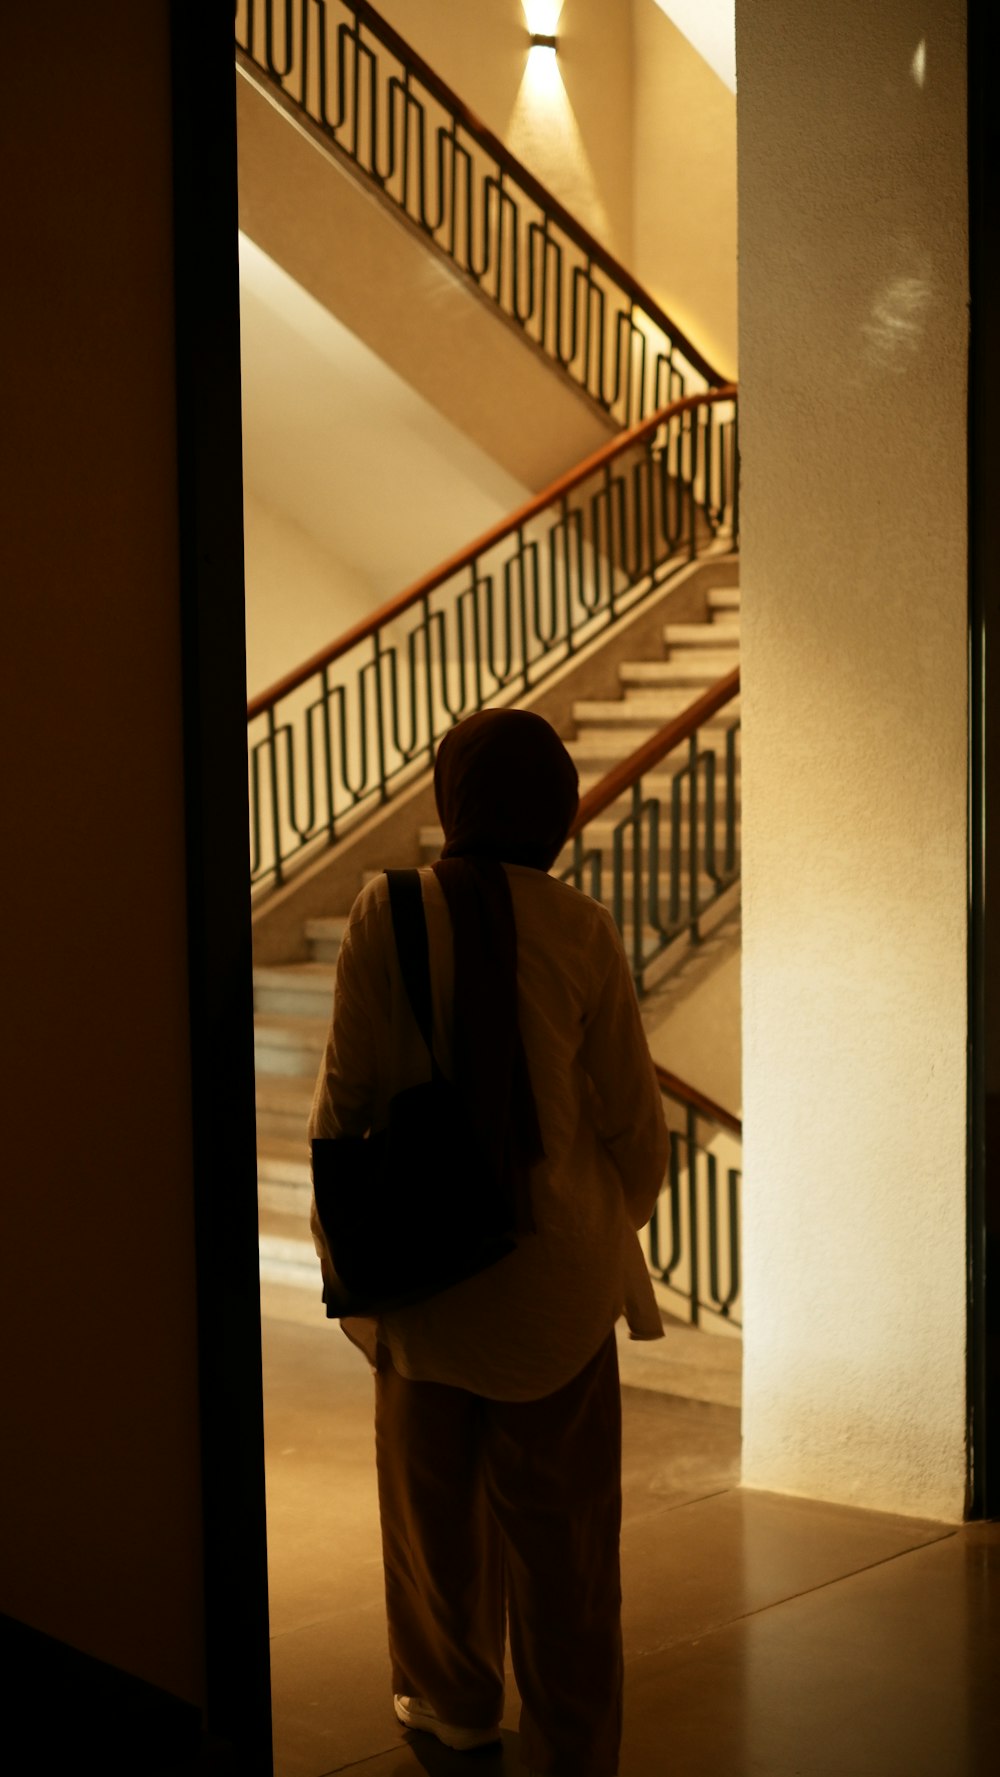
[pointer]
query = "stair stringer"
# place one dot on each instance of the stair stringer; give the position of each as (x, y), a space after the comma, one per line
(329, 882)
(300, 201)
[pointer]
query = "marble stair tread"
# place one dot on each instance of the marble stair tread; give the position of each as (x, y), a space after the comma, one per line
(724, 598)
(286, 1030)
(289, 1044)
(649, 709)
(307, 974)
(658, 783)
(284, 1158)
(294, 989)
(691, 670)
(287, 1253)
(596, 750)
(721, 633)
(285, 1092)
(328, 927)
(598, 833)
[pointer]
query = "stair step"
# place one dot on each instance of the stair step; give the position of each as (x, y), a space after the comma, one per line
(284, 1178)
(725, 634)
(283, 1105)
(724, 598)
(287, 1254)
(659, 783)
(599, 749)
(288, 1045)
(600, 832)
(324, 935)
(300, 990)
(650, 709)
(284, 1161)
(695, 670)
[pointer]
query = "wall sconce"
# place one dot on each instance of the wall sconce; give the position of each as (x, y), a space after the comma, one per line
(542, 40)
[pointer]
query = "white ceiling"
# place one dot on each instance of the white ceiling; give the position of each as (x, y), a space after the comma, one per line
(710, 27)
(344, 447)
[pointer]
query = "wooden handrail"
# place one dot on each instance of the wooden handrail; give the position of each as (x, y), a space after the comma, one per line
(643, 760)
(699, 1101)
(395, 607)
(588, 243)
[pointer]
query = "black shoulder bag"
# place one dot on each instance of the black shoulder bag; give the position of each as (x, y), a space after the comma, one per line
(409, 1210)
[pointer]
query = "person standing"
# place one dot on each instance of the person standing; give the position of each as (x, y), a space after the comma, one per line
(498, 1405)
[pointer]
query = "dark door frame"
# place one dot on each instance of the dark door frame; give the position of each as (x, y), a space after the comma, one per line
(214, 681)
(984, 777)
(210, 525)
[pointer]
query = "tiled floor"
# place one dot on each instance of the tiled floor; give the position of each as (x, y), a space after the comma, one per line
(764, 1635)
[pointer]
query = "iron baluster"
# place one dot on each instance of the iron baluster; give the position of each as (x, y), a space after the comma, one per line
(711, 872)
(618, 874)
(731, 734)
(380, 717)
(273, 66)
(694, 1243)
(637, 853)
(676, 806)
(256, 834)
(425, 606)
(723, 1302)
(676, 1234)
(690, 435)
(735, 1276)
(328, 752)
(693, 809)
(272, 747)
(355, 790)
(651, 807)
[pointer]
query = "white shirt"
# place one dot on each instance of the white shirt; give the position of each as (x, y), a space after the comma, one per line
(530, 1323)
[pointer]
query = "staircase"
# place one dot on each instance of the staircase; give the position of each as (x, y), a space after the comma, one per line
(292, 1001)
(555, 608)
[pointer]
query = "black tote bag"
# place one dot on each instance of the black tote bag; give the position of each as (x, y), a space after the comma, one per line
(410, 1210)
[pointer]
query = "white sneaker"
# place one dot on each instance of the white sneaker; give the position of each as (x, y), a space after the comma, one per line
(413, 1712)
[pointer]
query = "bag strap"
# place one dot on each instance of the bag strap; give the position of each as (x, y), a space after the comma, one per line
(410, 928)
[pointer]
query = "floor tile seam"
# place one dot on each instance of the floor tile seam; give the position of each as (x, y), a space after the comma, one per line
(745, 1616)
(329, 1616)
(661, 1509)
(365, 1759)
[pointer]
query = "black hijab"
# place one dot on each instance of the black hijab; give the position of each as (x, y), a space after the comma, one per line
(507, 792)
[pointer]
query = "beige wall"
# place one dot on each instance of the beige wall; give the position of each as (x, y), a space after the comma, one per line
(571, 130)
(99, 1484)
(299, 596)
(693, 1022)
(684, 156)
(853, 347)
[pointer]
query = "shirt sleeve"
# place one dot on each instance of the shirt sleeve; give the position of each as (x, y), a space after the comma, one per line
(628, 1104)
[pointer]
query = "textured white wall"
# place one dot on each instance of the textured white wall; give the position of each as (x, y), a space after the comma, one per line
(853, 357)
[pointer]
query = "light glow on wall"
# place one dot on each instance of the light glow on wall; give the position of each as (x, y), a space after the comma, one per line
(541, 17)
(918, 66)
(542, 129)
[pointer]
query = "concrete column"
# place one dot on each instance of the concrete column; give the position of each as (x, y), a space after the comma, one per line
(853, 333)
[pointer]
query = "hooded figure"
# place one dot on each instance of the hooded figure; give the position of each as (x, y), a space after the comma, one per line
(507, 793)
(498, 1407)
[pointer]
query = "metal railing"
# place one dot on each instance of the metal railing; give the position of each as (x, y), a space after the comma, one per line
(670, 850)
(354, 84)
(331, 740)
(694, 1236)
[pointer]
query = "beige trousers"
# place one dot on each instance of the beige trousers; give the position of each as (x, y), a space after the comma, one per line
(490, 1506)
